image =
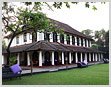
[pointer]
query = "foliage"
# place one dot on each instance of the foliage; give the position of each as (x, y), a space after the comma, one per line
(87, 32)
(92, 75)
(107, 39)
(101, 37)
(100, 34)
(12, 60)
(21, 19)
(94, 46)
(59, 5)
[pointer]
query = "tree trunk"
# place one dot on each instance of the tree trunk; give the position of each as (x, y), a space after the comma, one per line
(8, 48)
(34, 39)
(34, 36)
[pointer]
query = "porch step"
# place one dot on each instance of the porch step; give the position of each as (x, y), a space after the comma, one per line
(53, 70)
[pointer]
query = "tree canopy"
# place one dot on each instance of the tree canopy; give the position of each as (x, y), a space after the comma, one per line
(20, 20)
(101, 37)
(88, 32)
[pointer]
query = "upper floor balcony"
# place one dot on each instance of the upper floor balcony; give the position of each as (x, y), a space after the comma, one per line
(68, 39)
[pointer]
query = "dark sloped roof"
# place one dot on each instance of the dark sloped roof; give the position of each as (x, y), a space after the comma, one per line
(79, 49)
(69, 29)
(44, 45)
(49, 46)
(65, 27)
(18, 48)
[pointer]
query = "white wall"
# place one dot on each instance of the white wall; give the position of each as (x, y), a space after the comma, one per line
(4, 59)
(40, 36)
(21, 40)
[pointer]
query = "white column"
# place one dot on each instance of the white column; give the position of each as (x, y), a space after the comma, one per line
(3, 59)
(51, 37)
(65, 41)
(71, 40)
(53, 58)
(37, 36)
(90, 43)
(75, 41)
(89, 56)
(76, 57)
(81, 57)
(18, 58)
(62, 57)
(70, 57)
(79, 41)
(87, 42)
(83, 42)
(58, 37)
(86, 56)
(93, 57)
(99, 56)
(28, 58)
(96, 56)
(40, 58)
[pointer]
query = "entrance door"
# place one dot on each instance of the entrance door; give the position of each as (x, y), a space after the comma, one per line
(66, 59)
(79, 57)
(56, 58)
(74, 58)
(47, 58)
(83, 55)
(35, 58)
(88, 57)
(23, 59)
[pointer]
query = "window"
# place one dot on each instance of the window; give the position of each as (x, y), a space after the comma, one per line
(88, 43)
(17, 40)
(73, 40)
(46, 36)
(54, 37)
(62, 38)
(77, 41)
(25, 37)
(68, 39)
(81, 42)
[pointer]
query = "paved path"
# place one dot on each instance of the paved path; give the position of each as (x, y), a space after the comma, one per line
(26, 70)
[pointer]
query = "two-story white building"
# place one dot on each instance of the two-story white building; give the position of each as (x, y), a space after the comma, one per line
(52, 48)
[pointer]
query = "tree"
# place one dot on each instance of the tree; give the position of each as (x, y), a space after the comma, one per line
(59, 5)
(88, 32)
(100, 37)
(107, 39)
(22, 20)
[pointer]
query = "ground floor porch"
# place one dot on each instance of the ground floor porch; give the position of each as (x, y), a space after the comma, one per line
(53, 58)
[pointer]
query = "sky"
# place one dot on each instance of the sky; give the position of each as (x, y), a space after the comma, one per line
(80, 18)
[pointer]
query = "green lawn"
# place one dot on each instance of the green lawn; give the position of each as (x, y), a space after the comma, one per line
(92, 75)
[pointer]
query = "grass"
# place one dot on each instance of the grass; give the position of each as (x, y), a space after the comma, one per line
(92, 75)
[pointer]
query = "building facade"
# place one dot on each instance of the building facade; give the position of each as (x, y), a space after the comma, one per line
(52, 48)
